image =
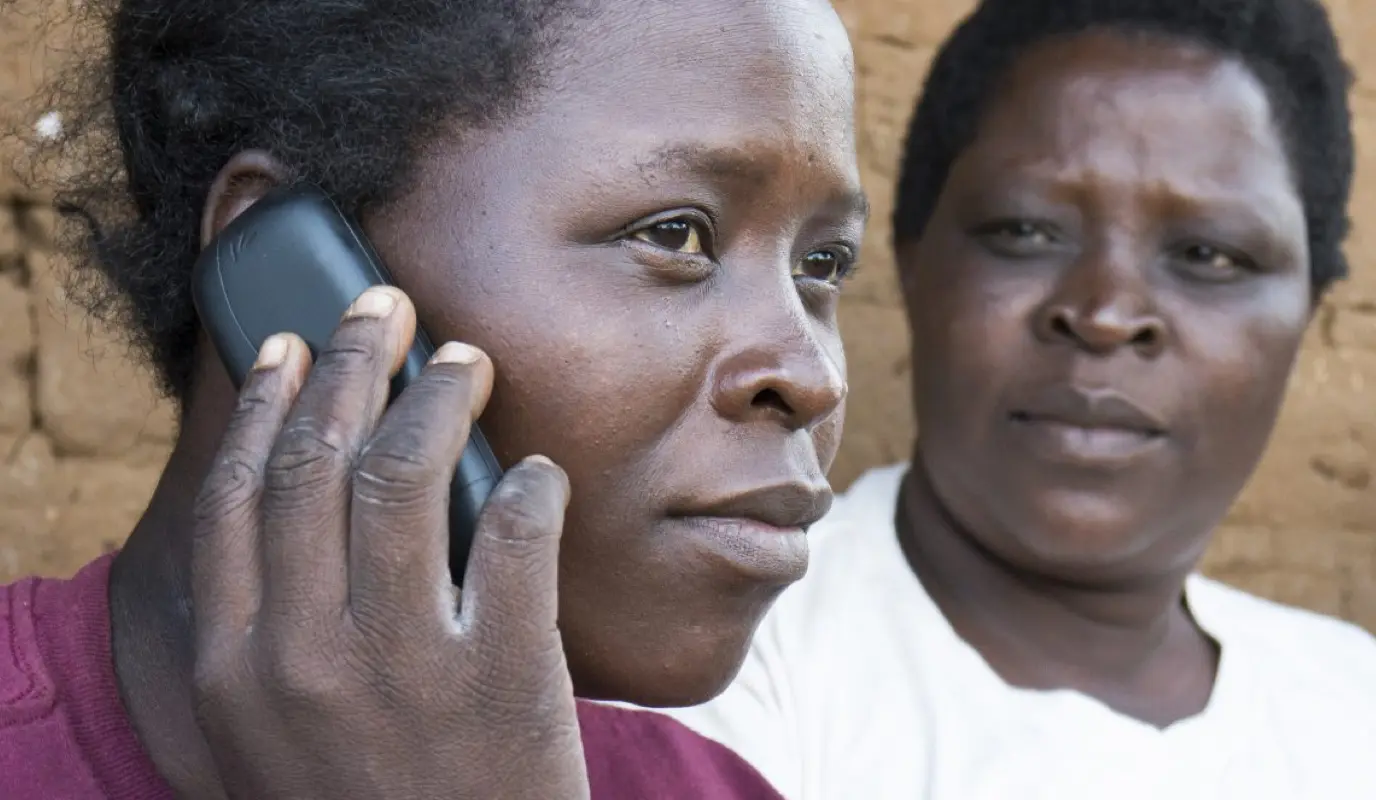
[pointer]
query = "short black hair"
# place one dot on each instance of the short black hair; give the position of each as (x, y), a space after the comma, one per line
(1289, 45)
(344, 93)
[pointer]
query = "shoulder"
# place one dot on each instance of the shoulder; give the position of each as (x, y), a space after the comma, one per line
(635, 753)
(36, 754)
(1256, 618)
(37, 615)
(1300, 644)
(26, 690)
(63, 730)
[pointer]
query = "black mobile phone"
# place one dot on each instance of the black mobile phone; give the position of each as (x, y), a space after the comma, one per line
(293, 263)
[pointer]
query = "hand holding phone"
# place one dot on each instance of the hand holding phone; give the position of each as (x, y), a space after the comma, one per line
(293, 262)
(330, 660)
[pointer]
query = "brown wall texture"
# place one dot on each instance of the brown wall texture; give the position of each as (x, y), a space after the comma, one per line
(82, 439)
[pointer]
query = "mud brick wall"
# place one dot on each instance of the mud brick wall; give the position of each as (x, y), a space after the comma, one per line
(82, 438)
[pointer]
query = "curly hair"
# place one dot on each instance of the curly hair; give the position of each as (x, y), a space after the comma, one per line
(344, 93)
(1288, 44)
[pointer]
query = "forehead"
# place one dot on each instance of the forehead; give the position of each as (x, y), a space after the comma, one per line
(678, 74)
(1148, 109)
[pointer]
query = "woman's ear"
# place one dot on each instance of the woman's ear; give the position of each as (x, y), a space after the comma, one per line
(242, 182)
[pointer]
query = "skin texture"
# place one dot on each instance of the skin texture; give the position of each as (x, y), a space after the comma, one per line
(648, 257)
(1094, 245)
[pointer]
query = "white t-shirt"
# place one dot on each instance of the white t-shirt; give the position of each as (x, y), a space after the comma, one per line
(858, 689)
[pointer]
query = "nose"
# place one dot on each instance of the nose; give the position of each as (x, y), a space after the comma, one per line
(789, 379)
(1101, 307)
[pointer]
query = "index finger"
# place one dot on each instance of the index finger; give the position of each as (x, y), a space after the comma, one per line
(226, 569)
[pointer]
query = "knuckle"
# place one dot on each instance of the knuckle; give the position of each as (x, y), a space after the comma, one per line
(311, 450)
(301, 675)
(357, 350)
(237, 476)
(217, 677)
(229, 488)
(255, 399)
(398, 471)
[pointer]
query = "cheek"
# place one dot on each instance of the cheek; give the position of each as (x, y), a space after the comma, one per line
(969, 339)
(1241, 373)
(588, 371)
(580, 381)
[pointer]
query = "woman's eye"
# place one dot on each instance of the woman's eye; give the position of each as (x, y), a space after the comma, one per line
(679, 235)
(1212, 259)
(1023, 232)
(1017, 238)
(827, 265)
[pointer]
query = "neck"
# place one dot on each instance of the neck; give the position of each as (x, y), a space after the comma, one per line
(150, 601)
(1130, 644)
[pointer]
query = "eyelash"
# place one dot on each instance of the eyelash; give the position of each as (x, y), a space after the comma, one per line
(700, 234)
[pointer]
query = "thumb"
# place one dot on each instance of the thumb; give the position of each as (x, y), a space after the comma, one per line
(510, 597)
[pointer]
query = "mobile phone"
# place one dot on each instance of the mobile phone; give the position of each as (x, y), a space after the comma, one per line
(293, 262)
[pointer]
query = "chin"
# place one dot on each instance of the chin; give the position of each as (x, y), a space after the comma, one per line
(1076, 537)
(684, 668)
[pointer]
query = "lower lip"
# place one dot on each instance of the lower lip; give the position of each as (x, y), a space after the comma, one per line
(1082, 446)
(761, 553)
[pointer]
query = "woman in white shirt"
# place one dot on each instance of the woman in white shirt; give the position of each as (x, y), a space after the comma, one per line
(1115, 220)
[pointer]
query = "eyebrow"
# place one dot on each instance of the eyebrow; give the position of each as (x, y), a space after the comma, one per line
(736, 164)
(732, 163)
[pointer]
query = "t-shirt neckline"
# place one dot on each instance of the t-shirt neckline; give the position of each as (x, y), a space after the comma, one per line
(1232, 681)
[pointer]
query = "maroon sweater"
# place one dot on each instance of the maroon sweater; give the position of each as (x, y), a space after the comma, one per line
(64, 733)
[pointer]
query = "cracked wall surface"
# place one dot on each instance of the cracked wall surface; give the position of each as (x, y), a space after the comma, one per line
(82, 438)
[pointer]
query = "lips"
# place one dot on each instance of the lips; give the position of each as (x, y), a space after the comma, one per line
(789, 506)
(756, 537)
(1099, 427)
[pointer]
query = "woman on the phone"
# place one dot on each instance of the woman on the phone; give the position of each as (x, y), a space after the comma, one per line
(628, 221)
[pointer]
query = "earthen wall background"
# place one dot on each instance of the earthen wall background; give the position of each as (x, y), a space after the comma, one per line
(82, 439)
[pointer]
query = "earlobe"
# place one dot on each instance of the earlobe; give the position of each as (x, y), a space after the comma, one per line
(241, 183)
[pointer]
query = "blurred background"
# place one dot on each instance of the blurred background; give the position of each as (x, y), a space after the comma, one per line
(82, 437)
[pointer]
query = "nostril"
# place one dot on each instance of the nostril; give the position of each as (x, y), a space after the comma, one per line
(1145, 337)
(1061, 326)
(771, 399)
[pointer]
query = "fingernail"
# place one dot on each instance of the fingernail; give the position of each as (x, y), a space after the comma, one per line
(546, 464)
(273, 352)
(456, 353)
(375, 302)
